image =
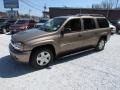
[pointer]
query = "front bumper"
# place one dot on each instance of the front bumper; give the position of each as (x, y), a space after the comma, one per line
(18, 55)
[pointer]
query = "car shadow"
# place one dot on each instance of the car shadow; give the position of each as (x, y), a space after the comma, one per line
(8, 33)
(74, 56)
(10, 68)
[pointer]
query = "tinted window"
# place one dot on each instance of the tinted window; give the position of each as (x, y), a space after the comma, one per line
(89, 23)
(22, 21)
(74, 25)
(103, 23)
(43, 21)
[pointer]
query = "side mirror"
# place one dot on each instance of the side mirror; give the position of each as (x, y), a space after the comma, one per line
(67, 30)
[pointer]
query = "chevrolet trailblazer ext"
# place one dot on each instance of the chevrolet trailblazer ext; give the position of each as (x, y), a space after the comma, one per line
(39, 47)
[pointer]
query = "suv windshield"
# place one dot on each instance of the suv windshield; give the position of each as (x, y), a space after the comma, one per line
(21, 21)
(53, 24)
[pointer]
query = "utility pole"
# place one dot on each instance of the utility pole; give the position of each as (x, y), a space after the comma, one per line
(108, 9)
(30, 13)
(80, 10)
(45, 7)
(11, 17)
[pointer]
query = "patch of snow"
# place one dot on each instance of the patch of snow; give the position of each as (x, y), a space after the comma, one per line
(84, 71)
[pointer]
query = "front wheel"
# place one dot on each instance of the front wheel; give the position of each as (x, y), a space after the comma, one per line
(41, 58)
(100, 46)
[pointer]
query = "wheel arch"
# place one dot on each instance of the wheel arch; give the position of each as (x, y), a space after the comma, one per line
(104, 37)
(50, 46)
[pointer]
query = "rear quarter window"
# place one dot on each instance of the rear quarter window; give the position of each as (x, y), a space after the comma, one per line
(102, 22)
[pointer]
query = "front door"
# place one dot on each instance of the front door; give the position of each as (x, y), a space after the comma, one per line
(71, 39)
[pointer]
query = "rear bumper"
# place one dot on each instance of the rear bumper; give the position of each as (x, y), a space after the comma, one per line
(113, 31)
(18, 55)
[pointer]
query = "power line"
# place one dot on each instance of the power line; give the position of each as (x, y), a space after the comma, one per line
(45, 7)
(28, 4)
(33, 3)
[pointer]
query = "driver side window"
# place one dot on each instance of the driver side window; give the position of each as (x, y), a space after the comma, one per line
(74, 25)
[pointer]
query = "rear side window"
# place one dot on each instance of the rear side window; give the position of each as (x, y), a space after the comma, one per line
(89, 23)
(103, 23)
(74, 24)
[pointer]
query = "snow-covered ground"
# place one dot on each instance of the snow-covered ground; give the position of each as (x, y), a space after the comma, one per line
(84, 71)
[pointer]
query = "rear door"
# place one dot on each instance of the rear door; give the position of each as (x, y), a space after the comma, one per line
(89, 33)
(103, 27)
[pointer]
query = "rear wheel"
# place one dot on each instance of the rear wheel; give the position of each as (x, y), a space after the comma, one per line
(100, 46)
(41, 58)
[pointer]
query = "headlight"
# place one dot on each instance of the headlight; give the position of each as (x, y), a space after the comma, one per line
(18, 46)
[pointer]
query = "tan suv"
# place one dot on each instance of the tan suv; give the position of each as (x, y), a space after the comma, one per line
(39, 47)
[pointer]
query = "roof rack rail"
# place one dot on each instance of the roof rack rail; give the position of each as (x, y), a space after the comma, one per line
(97, 15)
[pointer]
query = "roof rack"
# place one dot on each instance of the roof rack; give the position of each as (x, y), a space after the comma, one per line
(96, 15)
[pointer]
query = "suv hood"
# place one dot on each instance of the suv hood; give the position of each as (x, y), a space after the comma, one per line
(28, 35)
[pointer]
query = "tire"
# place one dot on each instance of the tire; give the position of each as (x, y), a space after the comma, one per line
(4, 31)
(39, 60)
(100, 46)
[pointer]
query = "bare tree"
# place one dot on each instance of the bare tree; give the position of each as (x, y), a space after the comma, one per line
(107, 4)
(98, 6)
(117, 2)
